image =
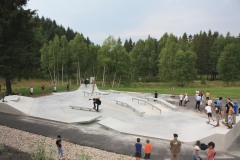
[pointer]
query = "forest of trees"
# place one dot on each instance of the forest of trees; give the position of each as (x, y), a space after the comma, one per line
(33, 47)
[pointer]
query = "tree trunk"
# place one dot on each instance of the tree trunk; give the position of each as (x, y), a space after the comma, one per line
(103, 81)
(54, 71)
(114, 79)
(119, 81)
(8, 85)
(62, 74)
(79, 74)
(50, 74)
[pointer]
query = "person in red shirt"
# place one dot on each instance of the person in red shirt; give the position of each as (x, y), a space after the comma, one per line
(210, 151)
(147, 148)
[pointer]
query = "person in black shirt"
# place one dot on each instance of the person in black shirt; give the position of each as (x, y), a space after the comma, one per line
(59, 146)
(96, 103)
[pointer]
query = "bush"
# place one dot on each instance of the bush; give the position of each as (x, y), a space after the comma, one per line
(40, 151)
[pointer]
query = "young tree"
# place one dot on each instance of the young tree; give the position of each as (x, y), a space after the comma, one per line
(184, 67)
(166, 62)
(228, 63)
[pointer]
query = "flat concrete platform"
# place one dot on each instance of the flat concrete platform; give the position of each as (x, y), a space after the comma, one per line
(190, 126)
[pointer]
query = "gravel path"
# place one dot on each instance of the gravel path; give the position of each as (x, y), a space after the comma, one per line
(23, 142)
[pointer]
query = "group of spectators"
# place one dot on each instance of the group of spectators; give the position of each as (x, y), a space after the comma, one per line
(226, 113)
(175, 149)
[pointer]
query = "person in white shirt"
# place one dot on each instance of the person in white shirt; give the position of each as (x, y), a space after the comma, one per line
(185, 100)
(31, 90)
(209, 112)
(180, 99)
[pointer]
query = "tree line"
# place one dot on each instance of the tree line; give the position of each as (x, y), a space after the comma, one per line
(38, 47)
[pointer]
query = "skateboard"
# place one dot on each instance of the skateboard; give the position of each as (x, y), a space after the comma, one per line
(211, 124)
(224, 123)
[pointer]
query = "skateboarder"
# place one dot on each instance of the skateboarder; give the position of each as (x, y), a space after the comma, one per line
(96, 103)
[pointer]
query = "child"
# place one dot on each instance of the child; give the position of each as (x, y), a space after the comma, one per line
(209, 112)
(210, 151)
(195, 154)
(148, 148)
(180, 99)
(138, 151)
(59, 146)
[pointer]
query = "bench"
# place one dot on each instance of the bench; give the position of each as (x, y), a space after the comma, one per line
(161, 101)
(146, 102)
(135, 109)
(16, 100)
(101, 93)
(88, 93)
(84, 108)
(114, 91)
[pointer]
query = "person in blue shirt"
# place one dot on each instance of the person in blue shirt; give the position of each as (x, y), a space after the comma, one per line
(198, 101)
(235, 107)
(138, 149)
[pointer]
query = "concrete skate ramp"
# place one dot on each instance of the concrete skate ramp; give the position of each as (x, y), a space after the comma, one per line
(14, 98)
(190, 128)
(5, 108)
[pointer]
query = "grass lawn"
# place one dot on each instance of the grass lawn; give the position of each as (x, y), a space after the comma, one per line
(23, 87)
(216, 88)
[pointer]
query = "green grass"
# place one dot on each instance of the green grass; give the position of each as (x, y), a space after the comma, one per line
(39, 92)
(216, 89)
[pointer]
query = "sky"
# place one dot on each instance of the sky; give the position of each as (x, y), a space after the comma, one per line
(98, 19)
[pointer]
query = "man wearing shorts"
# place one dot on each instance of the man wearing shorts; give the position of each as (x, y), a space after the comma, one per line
(230, 115)
(209, 112)
(175, 148)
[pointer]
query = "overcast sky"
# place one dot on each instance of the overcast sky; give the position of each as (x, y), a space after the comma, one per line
(137, 19)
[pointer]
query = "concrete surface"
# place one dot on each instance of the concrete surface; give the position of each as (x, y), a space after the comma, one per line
(187, 123)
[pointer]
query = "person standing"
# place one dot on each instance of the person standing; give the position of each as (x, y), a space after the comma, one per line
(195, 154)
(217, 111)
(68, 88)
(230, 115)
(210, 151)
(31, 90)
(138, 149)
(219, 103)
(180, 99)
(155, 94)
(209, 112)
(147, 148)
(59, 146)
(235, 107)
(198, 101)
(185, 100)
(54, 87)
(207, 95)
(175, 148)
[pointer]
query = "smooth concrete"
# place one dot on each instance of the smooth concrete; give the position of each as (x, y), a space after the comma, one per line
(190, 127)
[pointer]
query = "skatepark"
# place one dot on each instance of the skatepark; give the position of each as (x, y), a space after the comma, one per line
(126, 112)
